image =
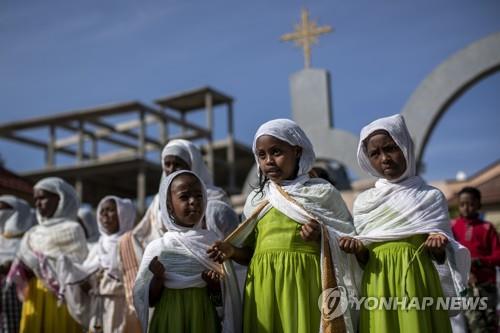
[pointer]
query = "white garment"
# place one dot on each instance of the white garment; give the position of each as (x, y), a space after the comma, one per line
(89, 224)
(108, 244)
(396, 127)
(220, 218)
(189, 153)
(188, 244)
(317, 199)
(303, 199)
(14, 223)
(288, 131)
(406, 207)
(102, 269)
(54, 236)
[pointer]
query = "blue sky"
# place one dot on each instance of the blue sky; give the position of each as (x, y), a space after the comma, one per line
(64, 55)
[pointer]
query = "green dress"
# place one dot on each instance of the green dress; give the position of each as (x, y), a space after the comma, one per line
(396, 269)
(284, 279)
(184, 310)
(188, 310)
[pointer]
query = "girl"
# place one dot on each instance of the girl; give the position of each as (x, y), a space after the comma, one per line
(173, 272)
(15, 219)
(102, 306)
(58, 233)
(287, 239)
(220, 217)
(403, 227)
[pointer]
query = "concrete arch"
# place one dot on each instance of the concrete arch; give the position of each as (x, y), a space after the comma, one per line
(446, 84)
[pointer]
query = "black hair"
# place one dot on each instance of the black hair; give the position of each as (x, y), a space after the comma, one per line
(263, 179)
(474, 192)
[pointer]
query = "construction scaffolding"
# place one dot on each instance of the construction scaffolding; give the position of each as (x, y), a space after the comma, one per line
(115, 149)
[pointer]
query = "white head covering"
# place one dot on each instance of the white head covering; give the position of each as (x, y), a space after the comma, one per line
(190, 154)
(407, 206)
(54, 236)
(396, 127)
(288, 131)
(67, 208)
(14, 222)
(164, 195)
(184, 247)
(89, 224)
(108, 244)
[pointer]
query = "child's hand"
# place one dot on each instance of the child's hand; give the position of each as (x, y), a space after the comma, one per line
(157, 268)
(220, 251)
(310, 231)
(436, 244)
(351, 245)
(212, 279)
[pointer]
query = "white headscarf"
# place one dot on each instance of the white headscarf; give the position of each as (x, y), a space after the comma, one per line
(190, 154)
(193, 243)
(67, 207)
(54, 236)
(89, 224)
(288, 131)
(164, 195)
(396, 127)
(105, 256)
(406, 207)
(14, 222)
(108, 244)
(303, 199)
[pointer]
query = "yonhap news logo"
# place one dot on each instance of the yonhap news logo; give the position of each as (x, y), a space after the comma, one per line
(334, 302)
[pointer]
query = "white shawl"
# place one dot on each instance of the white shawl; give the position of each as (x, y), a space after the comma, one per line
(89, 223)
(14, 223)
(192, 245)
(406, 207)
(303, 199)
(103, 257)
(54, 236)
(107, 253)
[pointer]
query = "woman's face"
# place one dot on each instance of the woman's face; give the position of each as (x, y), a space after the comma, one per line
(172, 163)
(385, 155)
(278, 160)
(108, 217)
(186, 200)
(46, 202)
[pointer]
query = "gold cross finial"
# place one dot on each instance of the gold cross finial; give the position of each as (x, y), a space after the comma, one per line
(305, 35)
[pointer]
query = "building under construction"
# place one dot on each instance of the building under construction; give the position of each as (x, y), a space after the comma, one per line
(115, 149)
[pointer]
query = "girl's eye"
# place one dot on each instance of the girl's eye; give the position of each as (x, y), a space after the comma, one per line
(373, 154)
(276, 152)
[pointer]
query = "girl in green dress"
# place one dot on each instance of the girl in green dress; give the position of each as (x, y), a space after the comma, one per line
(176, 277)
(281, 241)
(403, 232)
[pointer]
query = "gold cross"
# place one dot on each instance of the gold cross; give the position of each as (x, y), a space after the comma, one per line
(305, 35)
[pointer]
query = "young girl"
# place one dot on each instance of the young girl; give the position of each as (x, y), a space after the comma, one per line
(220, 217)
(102, 305)
(288, 238)
(58, 233)
(174, 269)
(403, 227)
(15, 219)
